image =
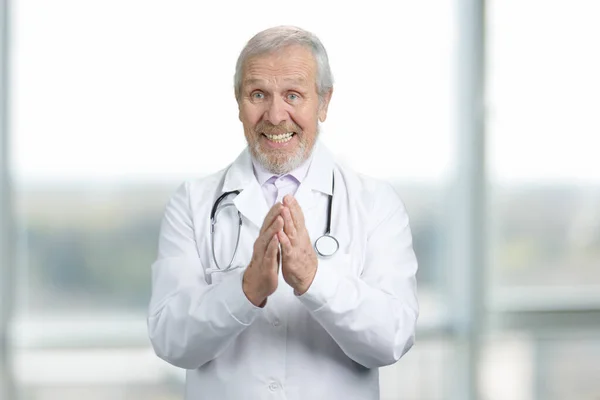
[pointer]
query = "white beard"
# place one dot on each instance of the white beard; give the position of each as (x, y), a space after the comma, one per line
(283, 166)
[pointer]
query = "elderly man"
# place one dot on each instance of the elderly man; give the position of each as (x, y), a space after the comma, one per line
(285, 275)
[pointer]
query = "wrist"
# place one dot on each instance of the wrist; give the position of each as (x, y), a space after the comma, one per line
(253, 295)
(304, 284)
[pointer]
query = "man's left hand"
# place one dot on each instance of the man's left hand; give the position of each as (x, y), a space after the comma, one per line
(299, 260)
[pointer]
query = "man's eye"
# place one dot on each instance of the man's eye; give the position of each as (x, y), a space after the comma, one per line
(293, 96)
(258, 95)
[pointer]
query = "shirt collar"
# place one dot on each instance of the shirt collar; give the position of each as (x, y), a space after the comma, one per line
(262, 175)
(317, 175)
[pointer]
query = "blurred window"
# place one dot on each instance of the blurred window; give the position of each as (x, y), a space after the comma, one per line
(543, 143)
(544, 174)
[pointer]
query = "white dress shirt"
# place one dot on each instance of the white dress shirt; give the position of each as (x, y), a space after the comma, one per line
(275, 187)
(358, 314)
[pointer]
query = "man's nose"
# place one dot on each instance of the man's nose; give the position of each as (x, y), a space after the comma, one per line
(276, 111)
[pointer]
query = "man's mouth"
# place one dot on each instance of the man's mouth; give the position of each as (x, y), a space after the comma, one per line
(280, 138)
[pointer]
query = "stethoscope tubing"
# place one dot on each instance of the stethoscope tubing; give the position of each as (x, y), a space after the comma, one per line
(213, 222)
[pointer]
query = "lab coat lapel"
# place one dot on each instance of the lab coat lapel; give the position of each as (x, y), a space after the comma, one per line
(318, 178)
(252, 204)
(251, 201)
(305, 197)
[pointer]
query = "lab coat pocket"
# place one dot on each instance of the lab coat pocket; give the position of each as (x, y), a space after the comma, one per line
(217, 276)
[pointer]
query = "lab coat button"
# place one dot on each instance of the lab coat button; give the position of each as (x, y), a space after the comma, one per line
(273, 386)
(276, 322)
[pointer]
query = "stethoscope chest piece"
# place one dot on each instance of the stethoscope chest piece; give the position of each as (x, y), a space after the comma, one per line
(326, 245)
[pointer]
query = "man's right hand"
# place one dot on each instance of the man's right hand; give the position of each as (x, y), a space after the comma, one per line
(261, 276)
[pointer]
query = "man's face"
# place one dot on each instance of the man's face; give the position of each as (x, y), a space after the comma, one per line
(279, 107)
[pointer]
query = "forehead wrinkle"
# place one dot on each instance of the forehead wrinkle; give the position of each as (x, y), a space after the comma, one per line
(290, 79)
(279, 67)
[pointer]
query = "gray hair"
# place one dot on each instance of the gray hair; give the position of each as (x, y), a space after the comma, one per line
(273, 39)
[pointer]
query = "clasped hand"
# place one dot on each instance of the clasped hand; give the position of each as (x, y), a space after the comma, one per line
(284, 224)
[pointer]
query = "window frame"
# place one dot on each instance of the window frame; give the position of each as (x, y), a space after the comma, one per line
(6, 215)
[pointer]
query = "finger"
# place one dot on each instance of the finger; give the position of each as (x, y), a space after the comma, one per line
(275, 227)
(286, 243)
(271, 253)
(271, 215)
(297, 214)
(288, 223)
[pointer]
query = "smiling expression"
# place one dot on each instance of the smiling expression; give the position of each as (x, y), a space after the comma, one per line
(280, 108)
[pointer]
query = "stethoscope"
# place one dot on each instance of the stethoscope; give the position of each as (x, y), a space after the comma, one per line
(325, 246)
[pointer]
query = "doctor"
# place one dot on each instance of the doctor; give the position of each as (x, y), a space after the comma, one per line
(280, 321)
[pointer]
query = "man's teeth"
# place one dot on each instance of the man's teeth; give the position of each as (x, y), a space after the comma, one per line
(282, 138)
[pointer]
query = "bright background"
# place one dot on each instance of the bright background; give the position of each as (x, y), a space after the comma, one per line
(113, 103)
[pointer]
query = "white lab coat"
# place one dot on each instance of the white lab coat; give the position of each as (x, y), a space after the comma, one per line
(358, 314)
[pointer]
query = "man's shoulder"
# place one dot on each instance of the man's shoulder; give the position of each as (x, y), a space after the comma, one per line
(374, 198)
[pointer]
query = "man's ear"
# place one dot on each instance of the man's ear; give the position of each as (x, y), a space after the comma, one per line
(324, 104)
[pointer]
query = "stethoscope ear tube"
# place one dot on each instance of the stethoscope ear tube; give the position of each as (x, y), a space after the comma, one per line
(213, 211)
(329, 206)
(213, 223)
